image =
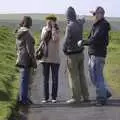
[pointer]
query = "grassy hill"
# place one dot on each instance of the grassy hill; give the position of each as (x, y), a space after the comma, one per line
(8, 74)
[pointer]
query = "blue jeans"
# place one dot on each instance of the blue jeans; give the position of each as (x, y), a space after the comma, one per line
(24, 83)
(96, 66)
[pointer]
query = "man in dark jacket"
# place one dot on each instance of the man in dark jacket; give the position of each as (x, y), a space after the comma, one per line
(75, 57)
(98, 42)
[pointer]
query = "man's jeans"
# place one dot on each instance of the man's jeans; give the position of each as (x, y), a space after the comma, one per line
(96, 66)
(24, 84)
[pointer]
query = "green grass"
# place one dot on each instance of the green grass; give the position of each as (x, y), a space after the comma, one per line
(8, 74)
(112, 68)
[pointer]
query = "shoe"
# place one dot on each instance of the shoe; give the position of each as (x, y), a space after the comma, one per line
(101, 102)
(30, 102)
(54, 101)
(86, 101)
(44, 101)
(109, 94)
(71, 101)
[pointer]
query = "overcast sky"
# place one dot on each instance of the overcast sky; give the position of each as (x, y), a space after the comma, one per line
(82, 7)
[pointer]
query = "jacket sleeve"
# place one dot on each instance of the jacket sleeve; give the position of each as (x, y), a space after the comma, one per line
(67, 37)
(98, 37)
(30, 45)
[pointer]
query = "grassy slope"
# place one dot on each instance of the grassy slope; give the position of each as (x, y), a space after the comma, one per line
(8, 78)
(113, 62)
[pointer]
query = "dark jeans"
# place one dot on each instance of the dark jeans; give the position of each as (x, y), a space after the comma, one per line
(46, 71)
(24, 83)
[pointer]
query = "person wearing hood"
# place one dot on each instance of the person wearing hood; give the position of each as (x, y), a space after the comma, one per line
(75, 57)
(98, 42)
(25, 56)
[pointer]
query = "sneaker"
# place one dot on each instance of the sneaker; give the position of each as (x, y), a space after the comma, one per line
(109, 94)
(54, 101)
(71, 101)
(44, 101)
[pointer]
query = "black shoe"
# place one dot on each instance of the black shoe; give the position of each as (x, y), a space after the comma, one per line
(30, 102)
(109, 94)
(86, 101)
(101, 102)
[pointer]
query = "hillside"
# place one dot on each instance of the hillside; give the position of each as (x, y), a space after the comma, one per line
(13, 20)
(8, 78)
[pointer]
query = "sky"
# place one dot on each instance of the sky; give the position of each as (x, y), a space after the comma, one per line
(82, 7)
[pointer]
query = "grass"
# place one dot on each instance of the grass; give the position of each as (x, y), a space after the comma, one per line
(8, 74)
(112, 69)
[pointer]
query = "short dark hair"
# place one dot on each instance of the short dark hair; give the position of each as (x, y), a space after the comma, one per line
(26, 22)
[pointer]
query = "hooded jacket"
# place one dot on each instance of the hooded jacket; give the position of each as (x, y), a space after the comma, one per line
(74, 31)
(99, 38)
(25, 48)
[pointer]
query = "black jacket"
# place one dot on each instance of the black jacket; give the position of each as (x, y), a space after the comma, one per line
(99, 38)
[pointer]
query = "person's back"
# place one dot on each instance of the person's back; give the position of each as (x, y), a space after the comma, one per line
(75, 57)
(74, 32)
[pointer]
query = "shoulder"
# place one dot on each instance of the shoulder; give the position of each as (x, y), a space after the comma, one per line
(106, 24)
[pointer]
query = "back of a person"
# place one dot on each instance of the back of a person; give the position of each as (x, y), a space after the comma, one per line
(76, 33)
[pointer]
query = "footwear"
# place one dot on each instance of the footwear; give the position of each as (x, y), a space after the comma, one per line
(86, 101)
(71, 101)
(54, 101)
(29, 101)
(44, 101)
(101, 102)
(109, 94)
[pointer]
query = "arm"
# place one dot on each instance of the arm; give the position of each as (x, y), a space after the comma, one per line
(67, 38)
(30, 48)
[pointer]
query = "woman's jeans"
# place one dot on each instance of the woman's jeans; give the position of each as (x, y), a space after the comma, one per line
(46, 71)
(96, 66)
(24, 84)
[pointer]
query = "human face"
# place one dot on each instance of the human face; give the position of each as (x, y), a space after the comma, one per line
(49, 23)
(99, 15)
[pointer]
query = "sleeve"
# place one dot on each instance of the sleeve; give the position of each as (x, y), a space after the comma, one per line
(67, 37)
(30, 45)
(98, 36)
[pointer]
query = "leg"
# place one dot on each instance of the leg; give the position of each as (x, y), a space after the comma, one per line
(46, 70)
(24, 81)
(83, 83)
(74, 81)
(100, 84)
(55, 74)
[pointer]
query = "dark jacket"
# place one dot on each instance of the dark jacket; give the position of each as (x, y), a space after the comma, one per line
(73, 33)
(25, 48)
(99, 38)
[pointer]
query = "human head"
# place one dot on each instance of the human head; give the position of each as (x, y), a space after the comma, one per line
(99, 13)
(26, 22)
(71, 14)
(51, 19)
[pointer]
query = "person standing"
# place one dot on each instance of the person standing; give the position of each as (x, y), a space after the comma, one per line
(75, 57)
(25, 57)
(50, 60)
(98, 42)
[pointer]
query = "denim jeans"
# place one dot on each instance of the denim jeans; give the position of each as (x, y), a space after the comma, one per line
(96, 66)
(46, 71)
(24, 84)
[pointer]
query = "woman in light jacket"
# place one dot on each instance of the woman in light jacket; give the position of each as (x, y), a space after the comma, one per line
(51, 58)
(25, 56)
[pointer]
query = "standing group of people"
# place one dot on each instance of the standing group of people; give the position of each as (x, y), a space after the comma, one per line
(48, 55)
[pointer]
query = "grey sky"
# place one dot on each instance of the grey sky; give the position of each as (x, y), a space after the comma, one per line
(82, 7)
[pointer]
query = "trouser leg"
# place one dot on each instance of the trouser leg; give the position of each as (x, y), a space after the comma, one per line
(83, 82)
(74, 81)
(55, 75)
(24, 81)
(46, 70)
